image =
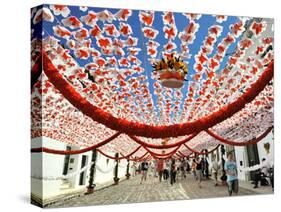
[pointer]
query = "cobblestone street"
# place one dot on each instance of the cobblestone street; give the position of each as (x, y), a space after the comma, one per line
(131, 191)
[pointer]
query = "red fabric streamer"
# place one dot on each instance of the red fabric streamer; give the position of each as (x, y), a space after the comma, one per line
(74, 152)
(234, 143)
(139, 129)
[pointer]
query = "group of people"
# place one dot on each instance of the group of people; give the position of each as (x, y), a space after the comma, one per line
(200, 169)
(173, 169)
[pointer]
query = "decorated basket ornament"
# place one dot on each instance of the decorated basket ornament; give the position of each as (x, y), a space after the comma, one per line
(172, 71)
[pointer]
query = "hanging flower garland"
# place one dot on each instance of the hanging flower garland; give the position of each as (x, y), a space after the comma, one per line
(202, 152)
(162, 154)
(166, 146)
(122, 157)
(138, 129)
(137, 159)
(72, 152)
(234, 143)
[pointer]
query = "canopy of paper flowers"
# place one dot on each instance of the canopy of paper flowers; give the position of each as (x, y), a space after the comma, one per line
(98, 81)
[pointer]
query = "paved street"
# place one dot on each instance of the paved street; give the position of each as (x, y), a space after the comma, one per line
(131, 191)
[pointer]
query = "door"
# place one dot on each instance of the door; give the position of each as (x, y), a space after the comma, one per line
(253, 157)
(82, 174)
(66, 162)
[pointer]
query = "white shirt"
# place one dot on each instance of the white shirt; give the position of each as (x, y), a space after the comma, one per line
(264, 165)
(215, 166)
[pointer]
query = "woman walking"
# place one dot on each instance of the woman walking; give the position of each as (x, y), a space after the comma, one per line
(134, 168)
(193, 169)
(160, 168)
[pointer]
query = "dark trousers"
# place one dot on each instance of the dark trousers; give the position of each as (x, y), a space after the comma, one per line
(160, 173)
(259, 176)
(232, 187)
(207, 172)
(173, 177)
(165, 174)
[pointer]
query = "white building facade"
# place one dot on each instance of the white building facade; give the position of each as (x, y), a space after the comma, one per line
(55, 175)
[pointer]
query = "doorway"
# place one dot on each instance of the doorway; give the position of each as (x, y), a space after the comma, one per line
(82, 179)
(66, 162)
(253, 157)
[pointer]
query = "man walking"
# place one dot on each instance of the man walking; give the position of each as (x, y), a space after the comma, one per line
(144, 168)
(173, 171)
(199, 171)
(215, 170)
(231, 172)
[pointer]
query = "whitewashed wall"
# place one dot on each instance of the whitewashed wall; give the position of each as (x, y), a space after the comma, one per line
(51, 165)
(46, 165)
(241, 155)
(105, 169)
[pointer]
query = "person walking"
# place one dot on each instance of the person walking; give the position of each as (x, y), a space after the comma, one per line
(183, 168)
(165, 170)
(168, 166)
(178, 166)
(154, 168)
(199, 171)
(173, 171)
(206, 167)
(193, 169)
(215, 170)
(188, 166)
(160, 168)
(134, 168)
(231, 172)
(144, 169)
